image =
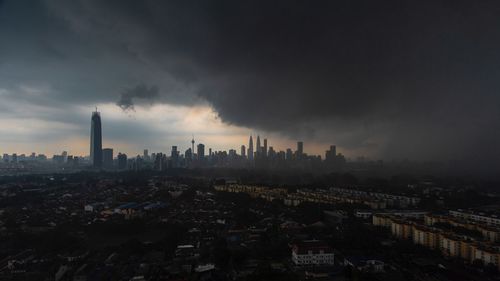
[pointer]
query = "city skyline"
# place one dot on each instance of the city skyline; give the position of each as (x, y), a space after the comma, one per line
(260, 156)
(98, 155)
(183, 142)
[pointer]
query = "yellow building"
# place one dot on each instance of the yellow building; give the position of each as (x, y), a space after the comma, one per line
(465, 250)
(425, 236)
(431, 219)
(382, 220)
(401, 229)
(489, 233)
(451, 246)
(488, 255)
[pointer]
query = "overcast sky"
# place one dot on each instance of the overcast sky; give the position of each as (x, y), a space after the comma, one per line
(385, 79)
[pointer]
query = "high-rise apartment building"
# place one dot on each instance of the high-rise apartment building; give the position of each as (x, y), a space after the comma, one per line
(300, 149)
(122, 161)
(201, 151)
(264, 149)
(250, 149)
(243, 151)
(107, 158)
(258, 147)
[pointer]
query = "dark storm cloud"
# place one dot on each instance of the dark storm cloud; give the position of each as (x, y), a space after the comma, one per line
(141, 91)
(416, 79)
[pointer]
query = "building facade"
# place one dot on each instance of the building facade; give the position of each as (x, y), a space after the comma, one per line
(312, 253)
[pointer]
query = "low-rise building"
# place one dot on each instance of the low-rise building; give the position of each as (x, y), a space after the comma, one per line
(489, 219)
(311, 253)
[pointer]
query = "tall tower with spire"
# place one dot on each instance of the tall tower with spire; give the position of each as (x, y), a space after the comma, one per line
(250, 148)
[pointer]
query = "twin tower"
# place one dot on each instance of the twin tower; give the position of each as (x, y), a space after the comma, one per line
(259, 150)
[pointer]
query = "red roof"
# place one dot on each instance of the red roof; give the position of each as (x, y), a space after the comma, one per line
(314, 246)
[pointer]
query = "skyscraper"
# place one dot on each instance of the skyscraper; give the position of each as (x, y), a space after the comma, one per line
(250, 149)
(96, 140)
(201, 151)
(122, 161)
(159, 162)
(174, 156)
(257, 147)
(289, 154)
(188, 154)
(107, 158)
(243, 151)
(300, 149)
(264, 149)
(330, 154)
(174, 152)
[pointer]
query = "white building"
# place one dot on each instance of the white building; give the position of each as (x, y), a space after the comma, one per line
(477, 217)
(312, 252)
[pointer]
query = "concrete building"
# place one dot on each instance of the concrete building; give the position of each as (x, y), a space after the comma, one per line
(311, 253)
(107, 158)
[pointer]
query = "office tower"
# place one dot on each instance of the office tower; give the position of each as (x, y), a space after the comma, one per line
(330, 154)
(209, 152)
(300, 149)
(96, 140)
(250, 149)
(243, 151)
(158, 161)
(174, 151)
(64, 156)
(257, 147)
(271, 153)
(138, 163)
(188, 154)
(146, 155)
(14, 158)
(122, 161)
(174, 156)
(264, 149)
(201, 151)
(107, 158)
(281, 155)
(289, 154)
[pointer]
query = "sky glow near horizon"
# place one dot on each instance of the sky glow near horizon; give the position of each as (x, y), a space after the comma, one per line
(156, 128)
